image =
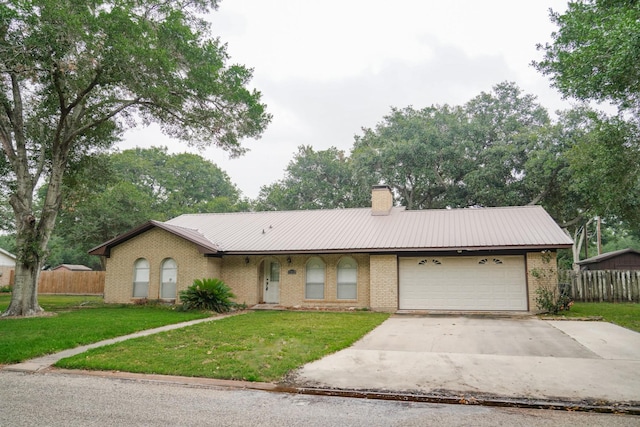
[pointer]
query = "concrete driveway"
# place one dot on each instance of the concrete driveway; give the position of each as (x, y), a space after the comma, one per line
(515, 358)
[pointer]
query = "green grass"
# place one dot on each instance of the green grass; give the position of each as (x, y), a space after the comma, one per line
(77, 321)
(624, 314)
(58, 302)
(257, 346)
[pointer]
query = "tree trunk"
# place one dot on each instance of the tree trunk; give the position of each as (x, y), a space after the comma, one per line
(24, 297)
(32, 238)
(29, 260)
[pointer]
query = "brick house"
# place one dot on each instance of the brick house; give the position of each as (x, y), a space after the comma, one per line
(385, 258)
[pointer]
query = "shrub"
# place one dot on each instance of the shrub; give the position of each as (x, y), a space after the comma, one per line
(208, 294)
(553, 300)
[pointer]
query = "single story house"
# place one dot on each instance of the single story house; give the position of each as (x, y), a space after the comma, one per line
(384, 258)
(72, 267)
(624, 259)
(7, 264)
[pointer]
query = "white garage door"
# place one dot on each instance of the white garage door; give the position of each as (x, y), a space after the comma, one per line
(463, 283)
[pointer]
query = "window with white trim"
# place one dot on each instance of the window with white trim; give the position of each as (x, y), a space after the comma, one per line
(347, 278)
(141, 278)
(314, 285)
(169, 277)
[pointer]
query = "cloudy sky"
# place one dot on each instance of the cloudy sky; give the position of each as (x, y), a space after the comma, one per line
(327, 68)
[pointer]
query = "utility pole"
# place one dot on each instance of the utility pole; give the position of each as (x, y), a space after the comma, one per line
(599, 235)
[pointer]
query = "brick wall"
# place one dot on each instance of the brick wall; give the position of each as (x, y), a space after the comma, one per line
(247, 279)
(542, 271)
(5, 274)
(384, 282)
(155, 246)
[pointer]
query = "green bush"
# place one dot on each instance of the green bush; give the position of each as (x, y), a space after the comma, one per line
(553, 300)
(208, 294)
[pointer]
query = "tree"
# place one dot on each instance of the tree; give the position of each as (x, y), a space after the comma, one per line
(314, 180)
(137, 185)
(504, 128)
(594, 54)
(420, 154)
(74, 74)
(179, 183)
(444, 156)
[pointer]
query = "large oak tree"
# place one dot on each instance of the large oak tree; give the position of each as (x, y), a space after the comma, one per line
(76, 73)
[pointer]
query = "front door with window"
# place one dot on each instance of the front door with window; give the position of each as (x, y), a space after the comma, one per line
(271, 290)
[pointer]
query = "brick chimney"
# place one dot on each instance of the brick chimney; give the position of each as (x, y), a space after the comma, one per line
(381, 200)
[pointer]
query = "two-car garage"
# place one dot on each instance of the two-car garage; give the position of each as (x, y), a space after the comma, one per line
(464, 283)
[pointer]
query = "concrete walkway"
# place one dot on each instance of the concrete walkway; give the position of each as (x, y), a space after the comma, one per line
(44, 362)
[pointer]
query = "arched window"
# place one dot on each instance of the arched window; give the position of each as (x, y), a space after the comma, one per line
(169, 278)
(141, 278)
(347, 278)
(314, 286)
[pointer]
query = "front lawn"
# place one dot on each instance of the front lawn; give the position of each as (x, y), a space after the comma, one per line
(623, 314)
(76, 320)
(257, 346)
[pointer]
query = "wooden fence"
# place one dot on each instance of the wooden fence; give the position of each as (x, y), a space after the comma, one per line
(70, 282)
(602, 285)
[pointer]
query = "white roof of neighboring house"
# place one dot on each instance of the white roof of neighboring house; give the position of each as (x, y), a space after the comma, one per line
(357, 230)
(73, 267)
(7, 258)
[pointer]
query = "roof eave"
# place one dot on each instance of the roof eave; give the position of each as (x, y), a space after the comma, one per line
(105, 248)
(396, 250)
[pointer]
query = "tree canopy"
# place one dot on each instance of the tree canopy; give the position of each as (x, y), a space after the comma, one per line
(595, 51)
(313, 180)
(75, 74)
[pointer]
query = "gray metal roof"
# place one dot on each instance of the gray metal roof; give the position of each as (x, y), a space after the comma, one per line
(337, 230)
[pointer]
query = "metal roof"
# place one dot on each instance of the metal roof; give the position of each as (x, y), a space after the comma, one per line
(607, 255)
(339, 230)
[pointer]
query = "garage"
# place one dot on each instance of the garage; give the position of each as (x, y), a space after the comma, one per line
(479, 283)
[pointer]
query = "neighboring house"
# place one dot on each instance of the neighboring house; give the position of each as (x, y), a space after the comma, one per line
(7, 263)
(72, 267)
(385, 258)
(624, 259)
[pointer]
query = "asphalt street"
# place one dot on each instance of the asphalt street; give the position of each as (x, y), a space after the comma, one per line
(60, 399)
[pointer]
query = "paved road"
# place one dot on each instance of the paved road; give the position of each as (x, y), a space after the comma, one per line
(55, 399)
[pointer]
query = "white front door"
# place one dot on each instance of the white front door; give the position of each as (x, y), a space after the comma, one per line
(271, 289)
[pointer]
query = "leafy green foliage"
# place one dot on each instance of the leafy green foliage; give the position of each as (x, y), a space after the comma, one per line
(314, 180)
(207, 294)
(136, 185)
(552, 300)
(443, 156)
(75, 74)
(594, 54)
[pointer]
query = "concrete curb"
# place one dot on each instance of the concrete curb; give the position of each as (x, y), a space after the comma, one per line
(461, 399)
